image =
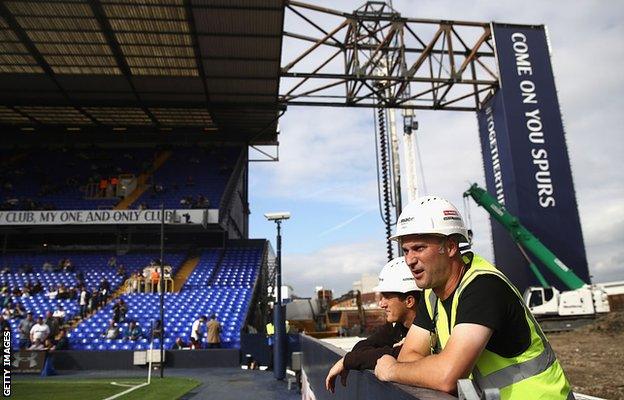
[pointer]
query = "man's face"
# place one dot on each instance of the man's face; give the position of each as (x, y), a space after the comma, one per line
(429, 265)
(395, 308)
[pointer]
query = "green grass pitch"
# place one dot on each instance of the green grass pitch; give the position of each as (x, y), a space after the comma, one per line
(92, 389)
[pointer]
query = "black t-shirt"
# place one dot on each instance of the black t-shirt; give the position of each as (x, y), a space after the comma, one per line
(490, 302)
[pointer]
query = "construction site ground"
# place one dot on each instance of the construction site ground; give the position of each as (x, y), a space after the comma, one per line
(593, 356)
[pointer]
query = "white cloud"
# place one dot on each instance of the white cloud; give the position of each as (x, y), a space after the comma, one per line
(334, 267)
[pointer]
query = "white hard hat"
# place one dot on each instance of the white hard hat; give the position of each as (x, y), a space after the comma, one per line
(430, 215)
(396, 276)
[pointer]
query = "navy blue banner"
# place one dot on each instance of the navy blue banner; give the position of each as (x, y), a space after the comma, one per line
(526, 161)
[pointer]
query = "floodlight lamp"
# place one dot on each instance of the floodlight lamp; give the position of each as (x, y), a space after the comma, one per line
(277, 216)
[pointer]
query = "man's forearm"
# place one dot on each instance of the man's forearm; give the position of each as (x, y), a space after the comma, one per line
(429, 372)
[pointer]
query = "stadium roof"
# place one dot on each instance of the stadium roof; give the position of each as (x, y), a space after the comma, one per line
(204, 67)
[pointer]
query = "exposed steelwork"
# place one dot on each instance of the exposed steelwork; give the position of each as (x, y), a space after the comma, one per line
(374, 57)
(187, 67)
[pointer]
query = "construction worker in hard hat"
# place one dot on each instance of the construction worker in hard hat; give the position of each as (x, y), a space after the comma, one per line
(399, 296)
(471, 322)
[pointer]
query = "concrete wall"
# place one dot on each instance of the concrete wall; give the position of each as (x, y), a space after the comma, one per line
(319, 357)
(105, 360)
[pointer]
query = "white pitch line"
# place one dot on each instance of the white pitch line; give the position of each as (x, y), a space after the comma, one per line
(122, 384)
(126, 391)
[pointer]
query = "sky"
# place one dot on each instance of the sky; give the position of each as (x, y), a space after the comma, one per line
(326, 174)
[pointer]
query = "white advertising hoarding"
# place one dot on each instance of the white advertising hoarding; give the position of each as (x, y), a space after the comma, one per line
(106, 217)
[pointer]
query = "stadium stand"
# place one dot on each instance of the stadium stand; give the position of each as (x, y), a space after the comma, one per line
(93, 267)
(64, 179)
(57, 179)
(238, 268)
(223, 281)
(229, 304)
(192, 178)
(227, 294)
(204, 270)
(68, 126)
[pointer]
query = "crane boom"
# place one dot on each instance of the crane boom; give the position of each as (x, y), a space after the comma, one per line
(524, 237)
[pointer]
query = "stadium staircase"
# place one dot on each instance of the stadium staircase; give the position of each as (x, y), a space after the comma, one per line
(184, 272)
(142, 180)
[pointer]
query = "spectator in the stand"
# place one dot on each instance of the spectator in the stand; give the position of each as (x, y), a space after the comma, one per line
(72, 181)
(179, 344)
(68, 266)
(72, 293)
(47, 266)
(5, 270)
(159, 188)
(61, 342)
(112, 332)
(4, 325)
(25, 291)
(37, 344)
(19, 311)
(48, 344)
(7, 312)
(110, 192)
(114, 182)
(39, 331)
(96, 300)
(16, 292)
(105, 286)
(119, 311)
(26, 268)
(83, 302)
(59, 266)
(102, 186)
(196, 332)
(135, 283)
(133, 332)
(214, 330)
(52, 324)
(52, 293)
(190, 181)
(59, 314)
(202, 202)
(23, 330)
(157, 330)
(112, 262)
(121, 271)
(37, 288)
(63, 293)
(155, 279)
(5, 298)
(80, 278)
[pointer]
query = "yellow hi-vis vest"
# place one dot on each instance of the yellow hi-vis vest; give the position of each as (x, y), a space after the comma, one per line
(534, 374)
(270, 329)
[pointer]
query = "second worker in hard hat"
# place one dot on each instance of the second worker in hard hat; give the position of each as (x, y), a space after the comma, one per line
(399, 297)
(471, 320)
